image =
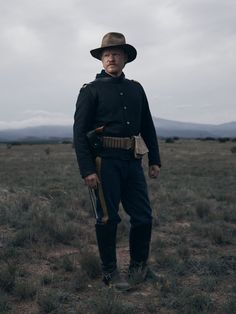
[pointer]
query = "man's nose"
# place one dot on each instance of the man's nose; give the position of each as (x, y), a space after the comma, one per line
(110, 57)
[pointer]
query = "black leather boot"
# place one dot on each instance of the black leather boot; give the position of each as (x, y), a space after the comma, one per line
(106, 239)
(140, 238)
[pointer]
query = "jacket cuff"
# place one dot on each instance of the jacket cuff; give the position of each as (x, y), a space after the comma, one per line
(84, 174)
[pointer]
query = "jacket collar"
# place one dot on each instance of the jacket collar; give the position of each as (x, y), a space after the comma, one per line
(103, 76)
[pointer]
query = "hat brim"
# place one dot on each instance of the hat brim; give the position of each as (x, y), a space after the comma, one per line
(129, 50)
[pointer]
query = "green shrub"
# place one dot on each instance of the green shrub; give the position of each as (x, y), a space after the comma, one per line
(190, 301)
(168, 285)
(152, 306)
(202, 209)
(80, 281)
(170, 140)
(209, 283)
(47, 279)
(196, 304)
(25, 289)
(68, 263)
(158, 244)
(109, 302)
(22, 238)
(208, 138)
(233, 150)
(49, 300)
(165, 260)
(220, 235)
(230, 306)
(230, 215)
(90, 264)
(9, 252)
(4, 303)
(7, 278)
(217, 266)
(47, 151)
(223, 139)
(51, 228)
(183, 251)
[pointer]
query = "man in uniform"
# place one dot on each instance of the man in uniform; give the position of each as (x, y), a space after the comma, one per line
(115, 111)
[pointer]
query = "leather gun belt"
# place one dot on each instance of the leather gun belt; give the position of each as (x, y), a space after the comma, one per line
(118, 142)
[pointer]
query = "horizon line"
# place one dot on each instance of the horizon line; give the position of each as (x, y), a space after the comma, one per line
(6, 126)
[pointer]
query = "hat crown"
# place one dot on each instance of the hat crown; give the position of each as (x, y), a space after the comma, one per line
(113, 39)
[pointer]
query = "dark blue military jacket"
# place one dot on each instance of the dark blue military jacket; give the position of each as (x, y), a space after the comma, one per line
(121, 106)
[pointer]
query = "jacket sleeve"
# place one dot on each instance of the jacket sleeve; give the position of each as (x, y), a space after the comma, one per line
(83, 122)
(148, 133)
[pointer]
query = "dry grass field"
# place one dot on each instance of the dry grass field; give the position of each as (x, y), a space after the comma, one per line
(48, 253)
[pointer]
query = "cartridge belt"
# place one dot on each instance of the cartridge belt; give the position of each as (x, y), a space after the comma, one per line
(118, 142)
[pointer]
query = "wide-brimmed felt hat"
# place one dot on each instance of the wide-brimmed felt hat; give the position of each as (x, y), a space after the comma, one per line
(115, 40)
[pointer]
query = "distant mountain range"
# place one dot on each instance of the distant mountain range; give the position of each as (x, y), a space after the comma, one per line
(170, 128)
(165, 128)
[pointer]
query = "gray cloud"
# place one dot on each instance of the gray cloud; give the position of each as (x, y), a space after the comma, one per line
(186, 54)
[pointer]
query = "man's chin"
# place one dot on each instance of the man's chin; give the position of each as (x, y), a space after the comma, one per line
(113, 73)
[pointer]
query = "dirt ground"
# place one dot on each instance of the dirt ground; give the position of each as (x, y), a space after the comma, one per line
(48, 253)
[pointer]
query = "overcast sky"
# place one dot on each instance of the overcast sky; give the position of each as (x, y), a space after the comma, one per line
(186, 56)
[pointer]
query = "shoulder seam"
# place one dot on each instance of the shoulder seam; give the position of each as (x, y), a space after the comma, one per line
(134, 81)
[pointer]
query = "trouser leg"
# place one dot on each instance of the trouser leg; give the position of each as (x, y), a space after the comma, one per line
(136, 203)
(108, 198)
(139, 240)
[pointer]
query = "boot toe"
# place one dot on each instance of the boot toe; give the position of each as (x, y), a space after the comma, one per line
(116, 280)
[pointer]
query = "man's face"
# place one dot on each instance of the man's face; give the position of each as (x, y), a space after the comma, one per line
(113, 61)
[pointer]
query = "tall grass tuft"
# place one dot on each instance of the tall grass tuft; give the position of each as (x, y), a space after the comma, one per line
(109, 302)
(90, 264)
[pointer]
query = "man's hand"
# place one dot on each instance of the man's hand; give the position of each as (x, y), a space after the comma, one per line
(92, 180)
(154, 171)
